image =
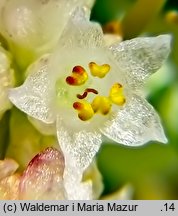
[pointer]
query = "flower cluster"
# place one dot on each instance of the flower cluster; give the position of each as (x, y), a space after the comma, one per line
(78, 82)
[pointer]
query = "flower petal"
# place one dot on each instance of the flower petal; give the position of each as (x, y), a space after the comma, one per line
(79, 149)
(111, 39)
(136, 124)
(34, 96)
(43, 178)
(140, 57)
(43, 128)
(80, 32)
(75, 188)
(81, 146)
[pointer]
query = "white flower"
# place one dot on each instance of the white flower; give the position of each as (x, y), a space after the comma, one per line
(33, 27)
(6, 80)
(90, 89)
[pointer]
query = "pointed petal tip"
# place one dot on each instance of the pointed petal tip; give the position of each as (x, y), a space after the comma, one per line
(11, 95)
(129, 128)
(166, 37)
(162, 138)
(79, 146)
(32, 105)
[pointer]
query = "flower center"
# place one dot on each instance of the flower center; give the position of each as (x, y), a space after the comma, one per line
(99, 104)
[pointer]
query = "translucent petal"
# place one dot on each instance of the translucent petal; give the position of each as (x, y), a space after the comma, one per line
(45, 129)
(43, 178)
(80, 32)
(75, 188)
(80, 146)
(140, 57)
(34, 97)
(79, 150)
(111, 39)
(136, 124)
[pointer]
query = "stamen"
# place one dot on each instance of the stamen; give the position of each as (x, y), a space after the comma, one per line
(101, 104)
(78, 77)
(116, 94)
(85, 111)
(88, 90)
(99, 70)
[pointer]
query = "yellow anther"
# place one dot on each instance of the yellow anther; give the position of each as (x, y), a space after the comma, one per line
(99, 70)
(85, 111)
(116, 94)
(78, 77)
(101, 104)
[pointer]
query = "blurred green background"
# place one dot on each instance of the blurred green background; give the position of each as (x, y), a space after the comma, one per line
(152, 169)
